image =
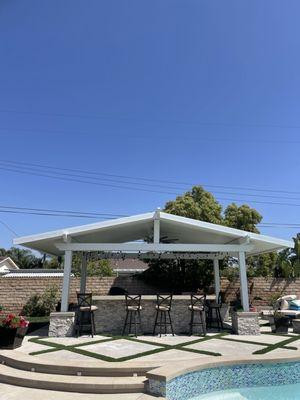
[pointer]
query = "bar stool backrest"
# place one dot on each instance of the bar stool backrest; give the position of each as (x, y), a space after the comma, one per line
(198, 301)
(164, 301)
(220, 299)
(84, 300)
(133, 301)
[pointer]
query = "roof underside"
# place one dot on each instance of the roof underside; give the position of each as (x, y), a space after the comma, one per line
(177, 229)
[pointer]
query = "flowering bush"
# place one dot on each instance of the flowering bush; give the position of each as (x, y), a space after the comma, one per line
(13, 321)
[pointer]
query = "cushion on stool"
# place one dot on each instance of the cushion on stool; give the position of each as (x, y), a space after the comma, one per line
(134, 308)
(87, 308)
(196, 308)
(163, 308)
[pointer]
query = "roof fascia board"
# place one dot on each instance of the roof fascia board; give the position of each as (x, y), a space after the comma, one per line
(156, 247)
(82, 228)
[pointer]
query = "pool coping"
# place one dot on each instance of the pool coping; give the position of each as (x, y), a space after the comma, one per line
(168, 372)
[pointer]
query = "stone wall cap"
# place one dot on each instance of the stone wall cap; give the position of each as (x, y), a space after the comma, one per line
(246, 314)
(62, 314)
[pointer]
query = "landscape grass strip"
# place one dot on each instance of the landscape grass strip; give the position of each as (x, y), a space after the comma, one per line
(37, 353)
(111, 359)
(276, 346)
(208, 353)
(76, 348)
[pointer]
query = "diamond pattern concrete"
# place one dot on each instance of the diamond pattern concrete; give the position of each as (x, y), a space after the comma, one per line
(169, 339)
(173, 355)
(269, 339)
(30, 347)
(73, 341)
(65, 355)
(226, 348)
(119, 348)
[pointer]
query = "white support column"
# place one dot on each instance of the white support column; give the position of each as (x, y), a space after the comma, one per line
(66, 281)
(83, 273)
(217, 278)
(243, 281)
(156, 227)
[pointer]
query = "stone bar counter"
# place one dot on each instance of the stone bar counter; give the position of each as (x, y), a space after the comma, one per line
(110, 316)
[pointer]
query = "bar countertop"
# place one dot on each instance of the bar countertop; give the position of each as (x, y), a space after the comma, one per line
(149, 297)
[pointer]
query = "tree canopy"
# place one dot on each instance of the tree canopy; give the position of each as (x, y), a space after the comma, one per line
(202, 205)
(187, 275)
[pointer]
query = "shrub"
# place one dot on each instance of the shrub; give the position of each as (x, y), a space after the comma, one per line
(41, 305)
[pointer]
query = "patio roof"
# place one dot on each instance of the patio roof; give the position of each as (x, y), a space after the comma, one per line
(174, 231)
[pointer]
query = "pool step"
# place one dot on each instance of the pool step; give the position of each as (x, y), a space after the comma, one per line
(71, 383)
(25, 362)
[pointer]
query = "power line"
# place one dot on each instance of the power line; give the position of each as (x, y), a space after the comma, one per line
(53, 214)
(15, 169)
(141, 137)
(149, 179)
(8, 228)
(152, 120)
(94, 214)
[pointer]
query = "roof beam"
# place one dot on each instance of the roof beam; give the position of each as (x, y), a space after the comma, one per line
(154, 247)
(162, 256)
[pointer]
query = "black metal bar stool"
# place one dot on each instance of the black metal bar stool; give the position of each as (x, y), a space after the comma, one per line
(85, 320)
(214, 308)
(163, 308)
(198, 306)
(133, 316)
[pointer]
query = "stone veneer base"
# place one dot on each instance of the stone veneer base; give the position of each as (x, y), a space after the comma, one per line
(61, 324)
(245, 323)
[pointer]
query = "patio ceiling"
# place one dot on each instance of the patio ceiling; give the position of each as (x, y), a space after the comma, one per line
(175, 229)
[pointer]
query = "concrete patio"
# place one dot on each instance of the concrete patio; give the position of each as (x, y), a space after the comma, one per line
(124, 361)
(162, 349)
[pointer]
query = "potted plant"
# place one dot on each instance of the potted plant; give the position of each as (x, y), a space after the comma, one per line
(278, 322)
(13, 328)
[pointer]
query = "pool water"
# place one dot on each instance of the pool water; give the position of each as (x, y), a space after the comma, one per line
(281, 392)
(280, 381)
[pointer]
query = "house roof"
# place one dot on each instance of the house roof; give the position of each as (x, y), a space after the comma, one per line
(179, 230)
(128, 265)
(4, 260)
(35, 273)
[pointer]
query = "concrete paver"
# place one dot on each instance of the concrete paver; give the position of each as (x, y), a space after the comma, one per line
(64, 355)
(226, 348)
(119, 348)
(73, 341)
(172, 355)
(263, 338)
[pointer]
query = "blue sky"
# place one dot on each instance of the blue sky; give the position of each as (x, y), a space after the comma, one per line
(188, 91)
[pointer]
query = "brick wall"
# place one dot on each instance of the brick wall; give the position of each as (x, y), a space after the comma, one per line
(14, 292)
(261, 289)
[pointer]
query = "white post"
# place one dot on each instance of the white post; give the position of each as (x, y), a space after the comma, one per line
(243, 281)
(156, 227)
(66, 281)
(217, 278)
(83, 273)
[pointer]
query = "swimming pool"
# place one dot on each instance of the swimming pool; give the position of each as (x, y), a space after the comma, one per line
(238, 382)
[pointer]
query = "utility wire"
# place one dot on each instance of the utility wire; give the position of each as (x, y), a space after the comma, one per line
(58, 177)
(152, 120)
(8, 228)
(148, 179)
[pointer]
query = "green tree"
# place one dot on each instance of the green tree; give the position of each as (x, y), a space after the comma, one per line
(94, 267)
(23, 258)
(197, 204)
(243, 217)
(288, 261)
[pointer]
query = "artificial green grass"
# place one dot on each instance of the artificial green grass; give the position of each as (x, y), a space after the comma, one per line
(277, 345)
(38, 319)
(162, 347)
